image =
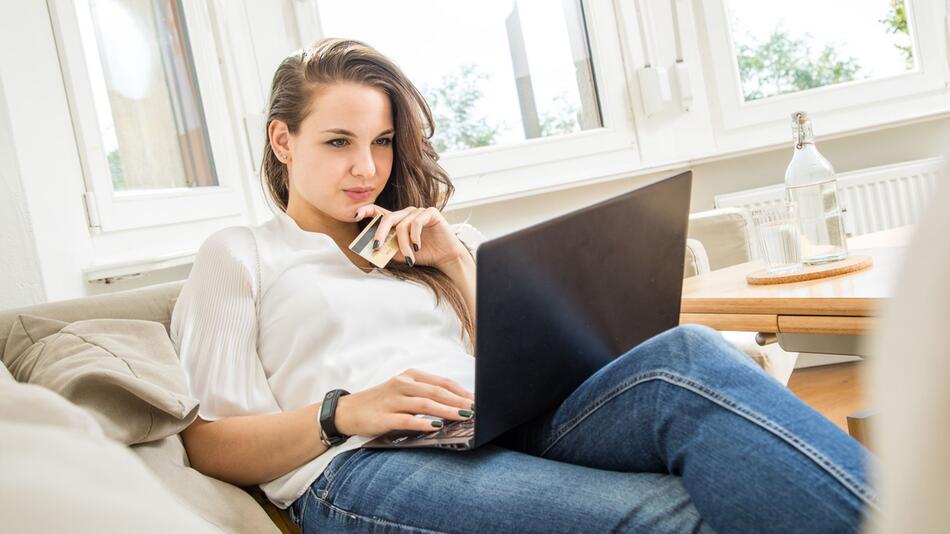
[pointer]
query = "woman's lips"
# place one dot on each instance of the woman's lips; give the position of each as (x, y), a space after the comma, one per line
(359, 195)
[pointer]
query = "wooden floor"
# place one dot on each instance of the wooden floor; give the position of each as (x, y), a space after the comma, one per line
(834, 390)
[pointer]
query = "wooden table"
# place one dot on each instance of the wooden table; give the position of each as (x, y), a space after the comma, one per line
(830, 315)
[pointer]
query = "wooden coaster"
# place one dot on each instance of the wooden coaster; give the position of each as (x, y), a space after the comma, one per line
(811, 272)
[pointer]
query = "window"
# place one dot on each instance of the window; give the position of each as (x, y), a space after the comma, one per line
(146, 83)
(147, 112)
(793, 47)
(852, 64)
(481, 64)
(516, 86)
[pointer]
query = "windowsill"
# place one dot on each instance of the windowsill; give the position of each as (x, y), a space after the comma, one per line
(116, 271)
(480, 190)
(499, 189)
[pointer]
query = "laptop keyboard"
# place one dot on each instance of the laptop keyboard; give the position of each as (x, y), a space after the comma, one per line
(455, 429)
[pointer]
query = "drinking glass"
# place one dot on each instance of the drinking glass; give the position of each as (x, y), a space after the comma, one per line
(779, 235)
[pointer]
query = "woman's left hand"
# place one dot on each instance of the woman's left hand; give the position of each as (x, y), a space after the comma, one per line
(423, 234)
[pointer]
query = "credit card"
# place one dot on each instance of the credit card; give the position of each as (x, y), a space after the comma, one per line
(363, 244)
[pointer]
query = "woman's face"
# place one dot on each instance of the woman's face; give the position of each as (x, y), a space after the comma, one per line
(342, 154)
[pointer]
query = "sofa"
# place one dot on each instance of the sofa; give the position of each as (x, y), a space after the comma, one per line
(95, 401)
(91, 438)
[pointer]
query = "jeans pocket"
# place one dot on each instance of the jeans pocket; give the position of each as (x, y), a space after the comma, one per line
(336, 470)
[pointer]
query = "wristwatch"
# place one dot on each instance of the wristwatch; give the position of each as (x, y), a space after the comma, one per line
(328, 433)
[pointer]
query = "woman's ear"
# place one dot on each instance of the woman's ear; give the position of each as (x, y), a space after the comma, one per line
(279, 136)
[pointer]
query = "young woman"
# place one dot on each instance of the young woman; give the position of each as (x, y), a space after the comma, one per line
(680, 434)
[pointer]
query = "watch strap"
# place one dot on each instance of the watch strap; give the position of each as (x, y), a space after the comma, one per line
(328, 432)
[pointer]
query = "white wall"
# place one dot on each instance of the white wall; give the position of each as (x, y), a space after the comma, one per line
(20, 279)
(41, 146)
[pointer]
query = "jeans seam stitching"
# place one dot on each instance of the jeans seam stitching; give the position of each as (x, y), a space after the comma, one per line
(678, 380)
(336, 472)
(814, 454)
(605, 398)
(303, 507)
(376, 520)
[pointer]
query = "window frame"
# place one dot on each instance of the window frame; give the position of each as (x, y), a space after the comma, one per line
(488, 174)
(115, 211)
(844, 107)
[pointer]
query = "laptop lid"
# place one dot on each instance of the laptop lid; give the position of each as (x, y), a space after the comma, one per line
(559, 300)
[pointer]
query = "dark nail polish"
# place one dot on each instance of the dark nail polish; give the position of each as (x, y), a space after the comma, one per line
(357, 216)
(436, 423)
(409, 261)
(473, 405)
(375, 244)
(415, 247)
(465, 413)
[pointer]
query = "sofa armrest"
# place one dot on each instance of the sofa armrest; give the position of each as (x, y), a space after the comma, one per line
(697, 262)
(726, 234)
(470, 236)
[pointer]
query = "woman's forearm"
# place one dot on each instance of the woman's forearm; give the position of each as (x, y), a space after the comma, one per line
(249, 450)
(462, 273)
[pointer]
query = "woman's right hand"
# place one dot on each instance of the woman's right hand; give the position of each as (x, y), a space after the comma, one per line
(393, 404)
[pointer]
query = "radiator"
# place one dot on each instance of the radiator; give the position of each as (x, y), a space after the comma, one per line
(873, 199)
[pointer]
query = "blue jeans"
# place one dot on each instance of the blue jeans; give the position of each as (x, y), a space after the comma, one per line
(681, 434)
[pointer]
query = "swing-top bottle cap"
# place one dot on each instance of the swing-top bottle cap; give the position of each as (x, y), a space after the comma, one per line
(801, 129)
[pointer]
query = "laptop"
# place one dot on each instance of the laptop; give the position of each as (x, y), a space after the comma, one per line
(559, 300)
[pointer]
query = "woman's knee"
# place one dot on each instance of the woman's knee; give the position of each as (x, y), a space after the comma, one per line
(692, 333)
(688, 347)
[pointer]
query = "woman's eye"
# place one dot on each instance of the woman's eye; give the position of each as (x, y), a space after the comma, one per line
(338, 143)
(384, 141)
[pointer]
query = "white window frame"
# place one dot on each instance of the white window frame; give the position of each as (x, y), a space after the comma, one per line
(112, 211)
(509, 170)
(839, 108)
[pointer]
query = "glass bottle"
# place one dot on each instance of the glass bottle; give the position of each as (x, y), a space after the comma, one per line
(810, 182)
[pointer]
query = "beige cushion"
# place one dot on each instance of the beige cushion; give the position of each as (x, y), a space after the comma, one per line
(26, 403)
(219, 503)
(5, 376)
(58, 479)
(195, 502)
(124, 372)
(46, 490)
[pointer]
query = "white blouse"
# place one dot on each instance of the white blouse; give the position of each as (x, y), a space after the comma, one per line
(273, 317)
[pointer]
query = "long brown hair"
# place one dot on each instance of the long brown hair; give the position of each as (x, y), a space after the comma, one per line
(416, 178)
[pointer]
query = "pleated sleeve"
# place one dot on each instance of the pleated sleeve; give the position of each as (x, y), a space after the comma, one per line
(214, 328)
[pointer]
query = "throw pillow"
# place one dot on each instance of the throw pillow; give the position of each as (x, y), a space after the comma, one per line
(124, 372)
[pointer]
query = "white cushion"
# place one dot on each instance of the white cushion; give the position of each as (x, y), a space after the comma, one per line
(56, 479)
